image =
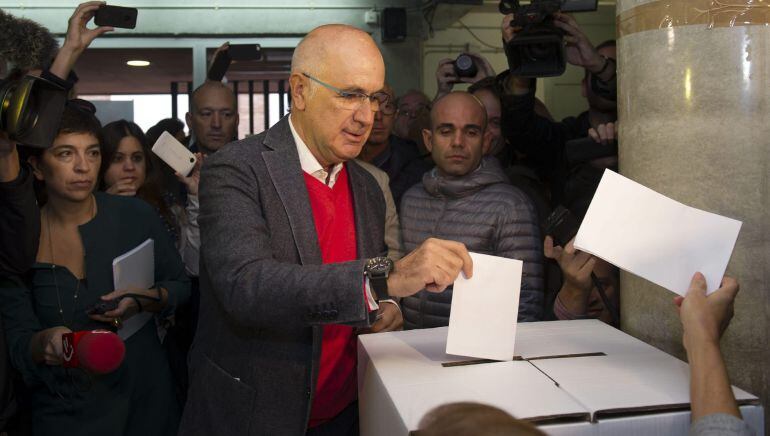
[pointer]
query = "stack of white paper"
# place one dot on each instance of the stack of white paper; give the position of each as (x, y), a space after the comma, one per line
(135, 270)
(655, 237)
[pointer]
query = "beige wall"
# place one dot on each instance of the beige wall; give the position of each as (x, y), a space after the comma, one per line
(561, 94)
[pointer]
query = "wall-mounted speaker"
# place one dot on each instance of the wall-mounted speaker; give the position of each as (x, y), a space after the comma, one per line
(393, 24)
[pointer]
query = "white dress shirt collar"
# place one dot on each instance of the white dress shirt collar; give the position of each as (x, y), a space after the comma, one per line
(310, 164)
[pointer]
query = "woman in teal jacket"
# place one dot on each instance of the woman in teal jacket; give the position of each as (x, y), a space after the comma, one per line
(81, 233)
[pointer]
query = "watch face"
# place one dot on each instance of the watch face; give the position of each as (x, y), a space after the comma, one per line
(379, 265)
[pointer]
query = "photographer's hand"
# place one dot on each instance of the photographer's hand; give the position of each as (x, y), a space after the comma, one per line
(485, 69)
(445, 78)
(514, 85)
(604, 133)
(509, 32)
(576, 267)
(579, 50)
(78, 38)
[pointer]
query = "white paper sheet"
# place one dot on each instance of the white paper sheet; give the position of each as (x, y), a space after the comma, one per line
(135, 270)
(482, 320)
(655, 237)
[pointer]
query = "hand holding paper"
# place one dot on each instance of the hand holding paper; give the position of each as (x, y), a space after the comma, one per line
(433, 266)
(482, 320)
(655, 237)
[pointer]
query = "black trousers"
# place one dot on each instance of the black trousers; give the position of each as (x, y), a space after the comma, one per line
(344, 424)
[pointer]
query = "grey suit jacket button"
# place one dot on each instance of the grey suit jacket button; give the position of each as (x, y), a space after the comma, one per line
(333, 313)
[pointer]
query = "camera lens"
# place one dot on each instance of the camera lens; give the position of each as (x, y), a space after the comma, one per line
(464, 63)
(540, 51)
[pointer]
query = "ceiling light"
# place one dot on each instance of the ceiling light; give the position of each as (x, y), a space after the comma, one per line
(138, 63)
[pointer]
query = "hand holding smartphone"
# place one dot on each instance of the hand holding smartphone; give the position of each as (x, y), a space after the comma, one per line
(176, 155)
(232, 52)
(116, 16)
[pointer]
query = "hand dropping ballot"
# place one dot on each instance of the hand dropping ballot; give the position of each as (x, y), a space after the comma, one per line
(485, 307)
(655, 237)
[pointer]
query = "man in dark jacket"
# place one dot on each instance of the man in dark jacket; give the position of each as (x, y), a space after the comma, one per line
(396, 156)
(466, 198)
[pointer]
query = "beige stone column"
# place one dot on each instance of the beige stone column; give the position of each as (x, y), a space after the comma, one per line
(694, 110)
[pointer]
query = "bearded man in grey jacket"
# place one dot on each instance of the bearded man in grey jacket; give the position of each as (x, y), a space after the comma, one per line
(467, 198)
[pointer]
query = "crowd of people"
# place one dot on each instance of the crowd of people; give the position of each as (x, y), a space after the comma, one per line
(354, 214)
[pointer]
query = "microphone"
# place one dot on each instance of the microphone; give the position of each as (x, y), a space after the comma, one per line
(25, 43)
(97, 351)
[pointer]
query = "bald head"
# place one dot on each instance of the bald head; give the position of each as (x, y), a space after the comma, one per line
(213, 118)
(458, 101)
(330, 46)
(335, 72)
(457, 138)
(209, 90)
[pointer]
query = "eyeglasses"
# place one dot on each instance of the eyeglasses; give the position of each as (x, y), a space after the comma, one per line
(414, 113)
(352, 100)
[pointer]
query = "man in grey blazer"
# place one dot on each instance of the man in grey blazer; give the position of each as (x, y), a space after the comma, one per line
(266, 296)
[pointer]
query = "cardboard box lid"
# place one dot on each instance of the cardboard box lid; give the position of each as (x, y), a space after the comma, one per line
(623, 384)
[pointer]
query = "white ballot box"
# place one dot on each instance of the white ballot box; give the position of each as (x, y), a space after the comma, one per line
(579, 377)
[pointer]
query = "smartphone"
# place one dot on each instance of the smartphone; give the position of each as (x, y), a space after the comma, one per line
(116, 16)
(102, 306)
(176, 155)
(245, 52)
(562, 226)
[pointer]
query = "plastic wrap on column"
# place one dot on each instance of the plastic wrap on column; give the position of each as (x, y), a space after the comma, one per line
(694, 112)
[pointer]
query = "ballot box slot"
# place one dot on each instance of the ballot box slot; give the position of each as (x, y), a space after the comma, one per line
(639, 411)
(519, 358)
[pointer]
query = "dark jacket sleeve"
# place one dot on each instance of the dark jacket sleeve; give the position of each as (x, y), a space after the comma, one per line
(19, 224)
(254, 288)
(20, 324)
(519, 238)
(169, 269)
(541, 139)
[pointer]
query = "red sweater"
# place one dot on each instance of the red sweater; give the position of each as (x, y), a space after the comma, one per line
(335, 225)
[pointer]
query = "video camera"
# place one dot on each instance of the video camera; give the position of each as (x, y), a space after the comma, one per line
(30, 110)
(538, 49)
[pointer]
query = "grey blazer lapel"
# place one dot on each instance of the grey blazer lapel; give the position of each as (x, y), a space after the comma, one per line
(362, 200)
(286, 173)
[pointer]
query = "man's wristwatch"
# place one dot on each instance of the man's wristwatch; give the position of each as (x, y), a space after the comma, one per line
(377, 270)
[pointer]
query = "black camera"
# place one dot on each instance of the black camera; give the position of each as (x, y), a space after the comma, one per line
(465, 66)
(562, 226)
(538, 49)
(31, 109)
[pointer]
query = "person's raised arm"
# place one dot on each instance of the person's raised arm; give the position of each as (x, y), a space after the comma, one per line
(704, 319)
(78, 38)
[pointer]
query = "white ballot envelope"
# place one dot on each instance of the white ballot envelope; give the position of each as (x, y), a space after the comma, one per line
(176, 155)
(655, 237)
(485, 308)
(135, 269)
